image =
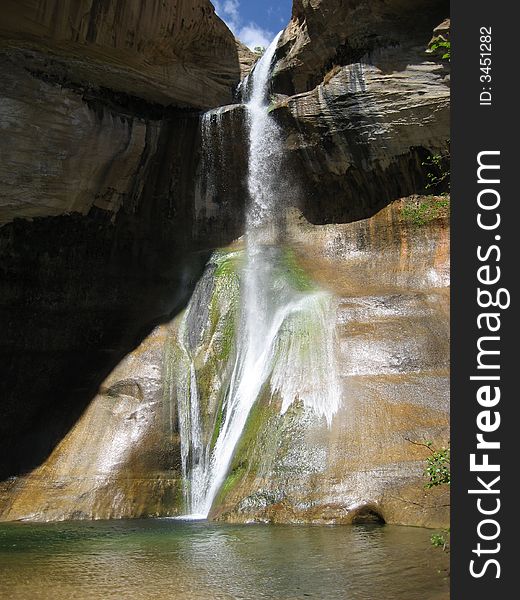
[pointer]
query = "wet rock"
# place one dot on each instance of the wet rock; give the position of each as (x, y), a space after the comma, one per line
(391, 277)
(119, 460)
(123, 459)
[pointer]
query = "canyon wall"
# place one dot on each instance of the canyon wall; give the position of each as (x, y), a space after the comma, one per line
(176, 52)
(362, 102)
(106, 228)
(389, 275)
(100, 119)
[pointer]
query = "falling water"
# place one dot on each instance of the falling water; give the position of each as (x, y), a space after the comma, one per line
(213, 161)
(284, 336)
(194, 454)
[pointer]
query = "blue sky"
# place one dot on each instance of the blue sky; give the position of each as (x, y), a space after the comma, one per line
(254, 22)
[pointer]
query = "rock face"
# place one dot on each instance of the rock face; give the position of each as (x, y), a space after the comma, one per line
(389, 274)
(247, 58)
(98, 231)
(364, 104)
(324, 34)
(66, 155)
(81, 291)
(168, 52)
(121, 459)
(360, 138)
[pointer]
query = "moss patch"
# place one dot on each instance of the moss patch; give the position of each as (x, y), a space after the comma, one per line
(295, 274)
(228, 261)
(225, 293)
(425, 209)
(248, 453)
(218, 423)
(232, 480)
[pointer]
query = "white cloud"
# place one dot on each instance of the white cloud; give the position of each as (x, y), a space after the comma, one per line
(230, 9)
(251, 35)
(227, 10)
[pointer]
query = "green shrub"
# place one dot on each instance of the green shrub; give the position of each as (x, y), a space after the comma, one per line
(438, 473)
(441, 540)
(438, 467)
(440, 47)
(438, 172)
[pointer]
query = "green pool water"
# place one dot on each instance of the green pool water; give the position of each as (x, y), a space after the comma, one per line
(162, 558)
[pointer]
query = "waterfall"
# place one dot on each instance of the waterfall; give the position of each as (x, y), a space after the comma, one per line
(212, 160)
(284, 335)
(193, 450)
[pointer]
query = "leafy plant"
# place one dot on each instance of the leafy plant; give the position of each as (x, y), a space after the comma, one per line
(438, 473)
(438, 172)
(442, 47)
(259, 50)
(441, 540)
(438, 467)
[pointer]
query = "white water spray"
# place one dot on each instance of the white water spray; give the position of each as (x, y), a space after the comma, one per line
(285, 335)
(194, 454)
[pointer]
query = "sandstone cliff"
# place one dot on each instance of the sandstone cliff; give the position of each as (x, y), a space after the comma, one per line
(391, 278)
(362, 102)
(100, 120)
(175, 52)
(324, 34)
(106, 226)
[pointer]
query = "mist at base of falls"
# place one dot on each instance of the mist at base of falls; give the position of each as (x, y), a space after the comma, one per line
(277, 327)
